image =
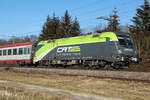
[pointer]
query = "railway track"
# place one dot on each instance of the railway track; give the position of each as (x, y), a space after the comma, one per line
(123, 75)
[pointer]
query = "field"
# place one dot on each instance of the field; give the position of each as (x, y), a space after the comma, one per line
(127, 90)
(15, 94)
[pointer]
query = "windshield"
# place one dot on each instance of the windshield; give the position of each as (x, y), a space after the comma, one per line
(125, 41)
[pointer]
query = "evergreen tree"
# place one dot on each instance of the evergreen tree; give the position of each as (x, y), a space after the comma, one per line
(56, 28)
(141, 27)
(142, 19)
(45, 35)
(51, 29)
(113, 23)
(75, 31)
(66, 24)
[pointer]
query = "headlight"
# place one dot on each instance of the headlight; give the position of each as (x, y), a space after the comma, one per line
(119, 51)
(128, 50)
(134, 59)
(122, 59)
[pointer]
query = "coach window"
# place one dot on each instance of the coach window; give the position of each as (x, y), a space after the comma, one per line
(29, 50)
(20, 51)
(25, 50)
(14, 51)
(9, 51)
(0, 52)
(4, 52)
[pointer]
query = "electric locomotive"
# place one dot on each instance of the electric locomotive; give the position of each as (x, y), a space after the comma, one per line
(95, 50)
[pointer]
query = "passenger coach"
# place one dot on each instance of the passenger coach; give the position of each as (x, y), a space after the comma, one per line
(16, 53)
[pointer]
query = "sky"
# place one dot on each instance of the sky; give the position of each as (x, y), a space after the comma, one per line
(26, 17)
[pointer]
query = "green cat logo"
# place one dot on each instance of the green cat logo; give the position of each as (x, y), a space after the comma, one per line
(75, 49)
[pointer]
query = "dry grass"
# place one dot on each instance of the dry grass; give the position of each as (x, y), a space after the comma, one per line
(127, 90)
(15, 94)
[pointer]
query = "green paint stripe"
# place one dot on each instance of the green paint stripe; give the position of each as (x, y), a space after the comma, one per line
(75, 49)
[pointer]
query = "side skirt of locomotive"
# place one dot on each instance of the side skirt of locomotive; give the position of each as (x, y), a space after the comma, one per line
(91, 64)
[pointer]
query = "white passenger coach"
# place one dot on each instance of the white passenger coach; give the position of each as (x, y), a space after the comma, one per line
(18, 53)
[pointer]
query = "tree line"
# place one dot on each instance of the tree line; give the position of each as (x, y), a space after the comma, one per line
(55, 27)
(14, 40)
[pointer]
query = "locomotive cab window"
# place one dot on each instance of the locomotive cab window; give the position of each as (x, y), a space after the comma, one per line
(14, 51)
(122, 42)
(9, 51)
(125, 41)
(4, 52)
(0, 52)
(20, 51)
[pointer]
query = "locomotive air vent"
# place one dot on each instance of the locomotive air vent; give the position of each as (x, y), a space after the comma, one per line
(95, 35)
(52, 40)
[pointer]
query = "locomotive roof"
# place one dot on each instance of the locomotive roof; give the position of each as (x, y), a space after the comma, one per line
(122, 34)
(83, 38)
(16, 45)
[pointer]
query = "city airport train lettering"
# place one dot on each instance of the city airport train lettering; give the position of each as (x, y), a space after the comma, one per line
(68, 49)
(68, 54)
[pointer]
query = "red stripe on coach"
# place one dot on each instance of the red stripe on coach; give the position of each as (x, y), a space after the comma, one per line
(16, 45)
(16, 60)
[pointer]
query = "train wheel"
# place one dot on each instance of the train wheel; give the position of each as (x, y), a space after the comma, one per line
(86, 66)
(89, 66)
(95, 67)
(116, 66)
(107, 66)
